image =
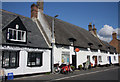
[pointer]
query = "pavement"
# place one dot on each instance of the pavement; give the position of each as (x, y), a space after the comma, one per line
(98, 73)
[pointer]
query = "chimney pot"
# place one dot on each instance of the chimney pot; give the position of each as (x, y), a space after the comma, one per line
(90, 27)
(40, 4)
(94, 29)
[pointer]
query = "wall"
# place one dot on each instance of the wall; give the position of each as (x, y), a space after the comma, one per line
(82, 55)
(112, 58)
(58, 49)
(115, 43)
(23, 68)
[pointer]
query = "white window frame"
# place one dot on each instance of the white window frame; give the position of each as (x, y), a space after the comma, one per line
(23, 39)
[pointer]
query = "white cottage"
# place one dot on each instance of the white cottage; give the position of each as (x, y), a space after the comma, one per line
(24, 49)
(68, 37)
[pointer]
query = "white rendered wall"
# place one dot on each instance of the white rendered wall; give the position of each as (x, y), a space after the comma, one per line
(24, 69)
(58, 53)
(112, 58)
(82, 56)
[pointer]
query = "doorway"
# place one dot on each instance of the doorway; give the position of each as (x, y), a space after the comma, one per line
(119, 60)
(74, 60)
(110, 59)
(95, 59)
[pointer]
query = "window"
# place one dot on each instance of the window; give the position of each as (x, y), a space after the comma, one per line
(100, 59)
(88, 58)
(107, 58)
(102, 51)
(65, 57)
(10, 59)
(114, 58)
(94, 50)
(16, 35)
(34, 59)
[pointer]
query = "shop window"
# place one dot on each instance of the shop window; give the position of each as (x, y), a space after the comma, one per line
(10, 59)
(34, 59)
(65, 58)
(16, 35)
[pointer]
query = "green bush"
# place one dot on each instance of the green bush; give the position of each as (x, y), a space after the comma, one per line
(73, 67)
(80, 67)
(47, 73)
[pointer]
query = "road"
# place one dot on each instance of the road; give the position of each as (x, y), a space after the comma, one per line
(99, 73)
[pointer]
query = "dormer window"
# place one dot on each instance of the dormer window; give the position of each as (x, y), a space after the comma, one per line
(16, 35)
(71, 40)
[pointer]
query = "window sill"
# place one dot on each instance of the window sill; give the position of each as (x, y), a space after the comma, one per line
(17, 40)
(34, 66)
(10, 67)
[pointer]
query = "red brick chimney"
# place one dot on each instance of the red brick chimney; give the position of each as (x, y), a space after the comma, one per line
(114, 35)
(90, 27)
(34, 11)
(94, 30)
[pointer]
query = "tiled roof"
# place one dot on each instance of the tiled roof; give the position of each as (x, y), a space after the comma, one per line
(34, 36)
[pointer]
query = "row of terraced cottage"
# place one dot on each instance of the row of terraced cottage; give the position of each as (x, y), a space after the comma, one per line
(26, 43)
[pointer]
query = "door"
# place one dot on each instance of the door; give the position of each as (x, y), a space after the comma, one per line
(74, 60)
(96, 60)
(109, 59)
(119, 60)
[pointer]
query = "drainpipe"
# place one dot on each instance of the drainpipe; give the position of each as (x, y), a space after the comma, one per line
(53, 42)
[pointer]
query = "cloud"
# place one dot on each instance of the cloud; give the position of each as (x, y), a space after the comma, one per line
(107, 39)
(105, 33)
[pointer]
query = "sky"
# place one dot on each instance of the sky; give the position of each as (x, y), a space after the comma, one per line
(103, 14)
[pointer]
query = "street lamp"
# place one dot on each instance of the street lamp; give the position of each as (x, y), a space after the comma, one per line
(53, 42)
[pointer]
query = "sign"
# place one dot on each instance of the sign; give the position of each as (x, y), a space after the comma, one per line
(77, 50)
(10, 76)
(53, 40)
(1, 72)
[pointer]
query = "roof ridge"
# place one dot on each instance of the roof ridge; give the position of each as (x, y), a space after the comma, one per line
(2, 10)
(67, 22)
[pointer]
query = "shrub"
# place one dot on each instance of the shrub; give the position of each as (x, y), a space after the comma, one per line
(73, 67)
(80, 67)
(47, 73)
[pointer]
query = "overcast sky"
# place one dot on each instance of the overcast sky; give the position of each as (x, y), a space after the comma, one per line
(103, 14)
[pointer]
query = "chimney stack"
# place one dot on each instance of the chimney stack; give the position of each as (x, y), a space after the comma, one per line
(94, 30)
(34, 11)
(40, 4)
(90, 27)
(114, 35)
(35, 8)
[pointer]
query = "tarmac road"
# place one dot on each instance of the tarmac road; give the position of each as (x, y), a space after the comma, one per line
(98, 73)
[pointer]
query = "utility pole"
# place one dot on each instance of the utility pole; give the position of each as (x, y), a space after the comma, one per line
(53, 42)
